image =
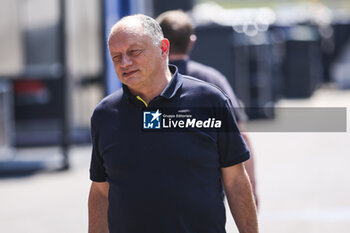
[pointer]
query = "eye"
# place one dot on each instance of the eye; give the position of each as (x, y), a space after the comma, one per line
(136, 52)
(117, 58)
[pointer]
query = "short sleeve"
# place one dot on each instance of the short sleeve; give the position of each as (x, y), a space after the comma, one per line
(97, 170)
(231, 146)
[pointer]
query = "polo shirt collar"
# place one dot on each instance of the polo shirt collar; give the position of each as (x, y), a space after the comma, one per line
(174, 84)
(169, 91)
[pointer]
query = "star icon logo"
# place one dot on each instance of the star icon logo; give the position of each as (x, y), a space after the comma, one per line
(156, 115)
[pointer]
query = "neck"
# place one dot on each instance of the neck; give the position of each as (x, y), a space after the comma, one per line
(174, 57)
(147, 93)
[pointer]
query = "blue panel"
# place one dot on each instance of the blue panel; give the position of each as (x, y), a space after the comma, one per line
(112, 14)
(124, 7)
(114, 10)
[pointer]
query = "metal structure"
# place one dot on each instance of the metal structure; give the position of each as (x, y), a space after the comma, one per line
(6, 123)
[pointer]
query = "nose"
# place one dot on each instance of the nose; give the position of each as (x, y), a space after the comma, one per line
(125, 61)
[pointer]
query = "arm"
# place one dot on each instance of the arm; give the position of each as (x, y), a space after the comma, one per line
(249, 164)
(240, 199)
(98, 205)
(241, 118)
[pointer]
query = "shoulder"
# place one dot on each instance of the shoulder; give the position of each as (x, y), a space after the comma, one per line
(211, 75)
(205, 91)
(204, 72)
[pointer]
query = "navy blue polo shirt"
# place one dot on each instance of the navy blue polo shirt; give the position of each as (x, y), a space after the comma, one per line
(166, 182)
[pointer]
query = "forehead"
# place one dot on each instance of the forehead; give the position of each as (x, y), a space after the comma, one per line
(126, 34)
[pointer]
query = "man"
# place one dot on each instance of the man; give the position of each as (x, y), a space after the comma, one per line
(155, 181)
(177, 27)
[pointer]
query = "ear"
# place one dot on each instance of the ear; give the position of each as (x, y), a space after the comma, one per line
(165, 46)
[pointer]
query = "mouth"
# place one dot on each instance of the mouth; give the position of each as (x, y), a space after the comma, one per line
(129, 74)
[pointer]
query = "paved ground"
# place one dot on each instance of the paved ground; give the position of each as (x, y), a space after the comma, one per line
(303, 182)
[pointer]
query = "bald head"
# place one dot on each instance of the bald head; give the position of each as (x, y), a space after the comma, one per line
(134, 23)
(177, 27)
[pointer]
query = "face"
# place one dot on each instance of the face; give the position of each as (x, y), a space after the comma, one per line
(137, 61)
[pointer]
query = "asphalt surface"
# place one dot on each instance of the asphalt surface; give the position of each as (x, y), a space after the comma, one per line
(303, 181)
